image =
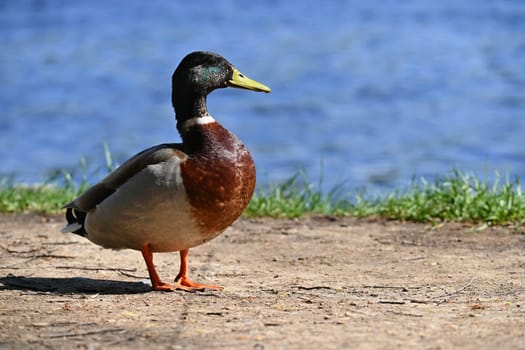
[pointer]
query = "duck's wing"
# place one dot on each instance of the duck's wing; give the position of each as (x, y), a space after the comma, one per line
(77, 208)
(97, 193)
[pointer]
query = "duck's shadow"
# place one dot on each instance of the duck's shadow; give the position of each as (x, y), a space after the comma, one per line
(64, 285)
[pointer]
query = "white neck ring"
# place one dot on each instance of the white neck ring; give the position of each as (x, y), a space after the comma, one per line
(187, 124)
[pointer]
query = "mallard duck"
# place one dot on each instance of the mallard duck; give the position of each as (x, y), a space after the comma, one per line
(175, 196)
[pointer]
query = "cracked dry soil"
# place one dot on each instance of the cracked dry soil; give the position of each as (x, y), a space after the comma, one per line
(313, 283)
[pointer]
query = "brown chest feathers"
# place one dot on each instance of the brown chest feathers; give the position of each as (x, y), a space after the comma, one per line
(218, 176)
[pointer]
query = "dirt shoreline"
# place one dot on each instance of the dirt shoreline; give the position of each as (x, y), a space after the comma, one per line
(313, 283)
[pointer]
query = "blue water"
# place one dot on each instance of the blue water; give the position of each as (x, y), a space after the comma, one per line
(367, 92)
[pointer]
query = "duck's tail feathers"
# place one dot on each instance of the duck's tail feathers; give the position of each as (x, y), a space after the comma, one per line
(75, 222)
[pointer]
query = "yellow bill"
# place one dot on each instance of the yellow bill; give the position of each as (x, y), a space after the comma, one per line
(242, 81)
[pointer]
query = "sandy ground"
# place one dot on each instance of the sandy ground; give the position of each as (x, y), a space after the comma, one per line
(314, 283)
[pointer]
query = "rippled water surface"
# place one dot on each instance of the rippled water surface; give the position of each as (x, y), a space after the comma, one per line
(367, 92)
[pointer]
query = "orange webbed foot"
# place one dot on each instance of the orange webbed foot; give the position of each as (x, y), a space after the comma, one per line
(168, 287)
(185, 282)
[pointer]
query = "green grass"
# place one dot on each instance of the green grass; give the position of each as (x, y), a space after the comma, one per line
(41, 199)
(455, 197)
(48, 198)
(44, 198)
(296, 197)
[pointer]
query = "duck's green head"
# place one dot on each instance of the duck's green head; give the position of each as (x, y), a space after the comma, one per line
(201, 72)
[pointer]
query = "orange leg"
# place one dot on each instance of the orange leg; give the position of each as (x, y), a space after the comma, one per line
(156, 283)
(181, 282)
(182, 278)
